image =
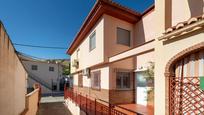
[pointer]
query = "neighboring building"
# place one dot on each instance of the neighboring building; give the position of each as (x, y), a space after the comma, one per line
(115, 44)
(13, 78)
(49, 73)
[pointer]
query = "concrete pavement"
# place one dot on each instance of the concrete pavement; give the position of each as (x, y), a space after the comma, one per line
(53, 106)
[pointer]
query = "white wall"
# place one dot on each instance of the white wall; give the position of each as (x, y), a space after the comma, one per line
(87, 81)
(73, 108)
(43, 73)
(88, 58)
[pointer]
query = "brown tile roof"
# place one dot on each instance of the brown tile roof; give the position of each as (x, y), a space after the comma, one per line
(193, 24)
(184, 24)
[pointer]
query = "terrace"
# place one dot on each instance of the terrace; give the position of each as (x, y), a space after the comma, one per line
(93, 106)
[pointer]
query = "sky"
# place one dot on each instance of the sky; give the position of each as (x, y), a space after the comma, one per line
(52, 23)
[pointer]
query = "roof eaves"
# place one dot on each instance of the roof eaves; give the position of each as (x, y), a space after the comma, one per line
(148, 10)
(92, 12)
(84, 23)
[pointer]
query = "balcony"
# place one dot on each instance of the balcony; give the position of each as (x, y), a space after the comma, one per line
(96, 106)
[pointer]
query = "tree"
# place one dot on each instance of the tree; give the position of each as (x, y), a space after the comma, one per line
(149, 76)
(66, 69)
(149, 73)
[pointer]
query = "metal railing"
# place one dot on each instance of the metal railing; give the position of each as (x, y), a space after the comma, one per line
(39, 80)
(95, 106)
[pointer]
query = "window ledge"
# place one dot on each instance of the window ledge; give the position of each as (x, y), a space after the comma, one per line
(123, 89)
(94, 88)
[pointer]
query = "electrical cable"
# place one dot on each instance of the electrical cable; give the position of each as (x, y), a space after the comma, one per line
(36, 46)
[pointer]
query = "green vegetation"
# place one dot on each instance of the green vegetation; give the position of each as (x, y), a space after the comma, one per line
(66, 69)
(149, 75)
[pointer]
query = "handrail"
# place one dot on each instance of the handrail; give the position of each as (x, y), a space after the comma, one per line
(87, 104)
(119, 107)
(42, 82)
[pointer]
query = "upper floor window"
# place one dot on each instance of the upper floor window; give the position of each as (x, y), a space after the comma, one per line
(51, 69)
(96, 79)
(123, 36)
(123, 80)
(92, 41)
(34, 67)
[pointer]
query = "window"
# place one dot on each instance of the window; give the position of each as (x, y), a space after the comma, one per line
(34, 67)
(51, 69)
(92, 41)
(122, 80)
(96, 80)
(80, 80)
(123, 37)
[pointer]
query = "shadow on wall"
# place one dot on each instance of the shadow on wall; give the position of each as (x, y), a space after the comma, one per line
(196, 7)
(139, 33)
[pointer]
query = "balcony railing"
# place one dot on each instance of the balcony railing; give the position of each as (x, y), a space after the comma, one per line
(96, 106)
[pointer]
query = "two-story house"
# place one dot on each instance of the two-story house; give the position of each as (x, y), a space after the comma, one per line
(110, 54)
(111, 29)
(48, 73)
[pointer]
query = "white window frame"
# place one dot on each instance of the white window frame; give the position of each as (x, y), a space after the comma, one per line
(92, 37)
(93, 77)
(122, 86)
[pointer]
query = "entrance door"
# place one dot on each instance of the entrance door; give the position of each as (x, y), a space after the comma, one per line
(186, 96)
(143, 86)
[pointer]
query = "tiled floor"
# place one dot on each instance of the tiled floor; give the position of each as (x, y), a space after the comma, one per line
(141, 109)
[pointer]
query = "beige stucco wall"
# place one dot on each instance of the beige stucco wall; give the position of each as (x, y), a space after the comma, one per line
(142, 61)
(163, 52)
(182, 10)
(144, 29)
(88, 58)
(110, 35)
(160, 15)
(12, 78)
(32, 102)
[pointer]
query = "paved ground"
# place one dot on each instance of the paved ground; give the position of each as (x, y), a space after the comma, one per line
(52, 106)
(56, 108)
(50, 99)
